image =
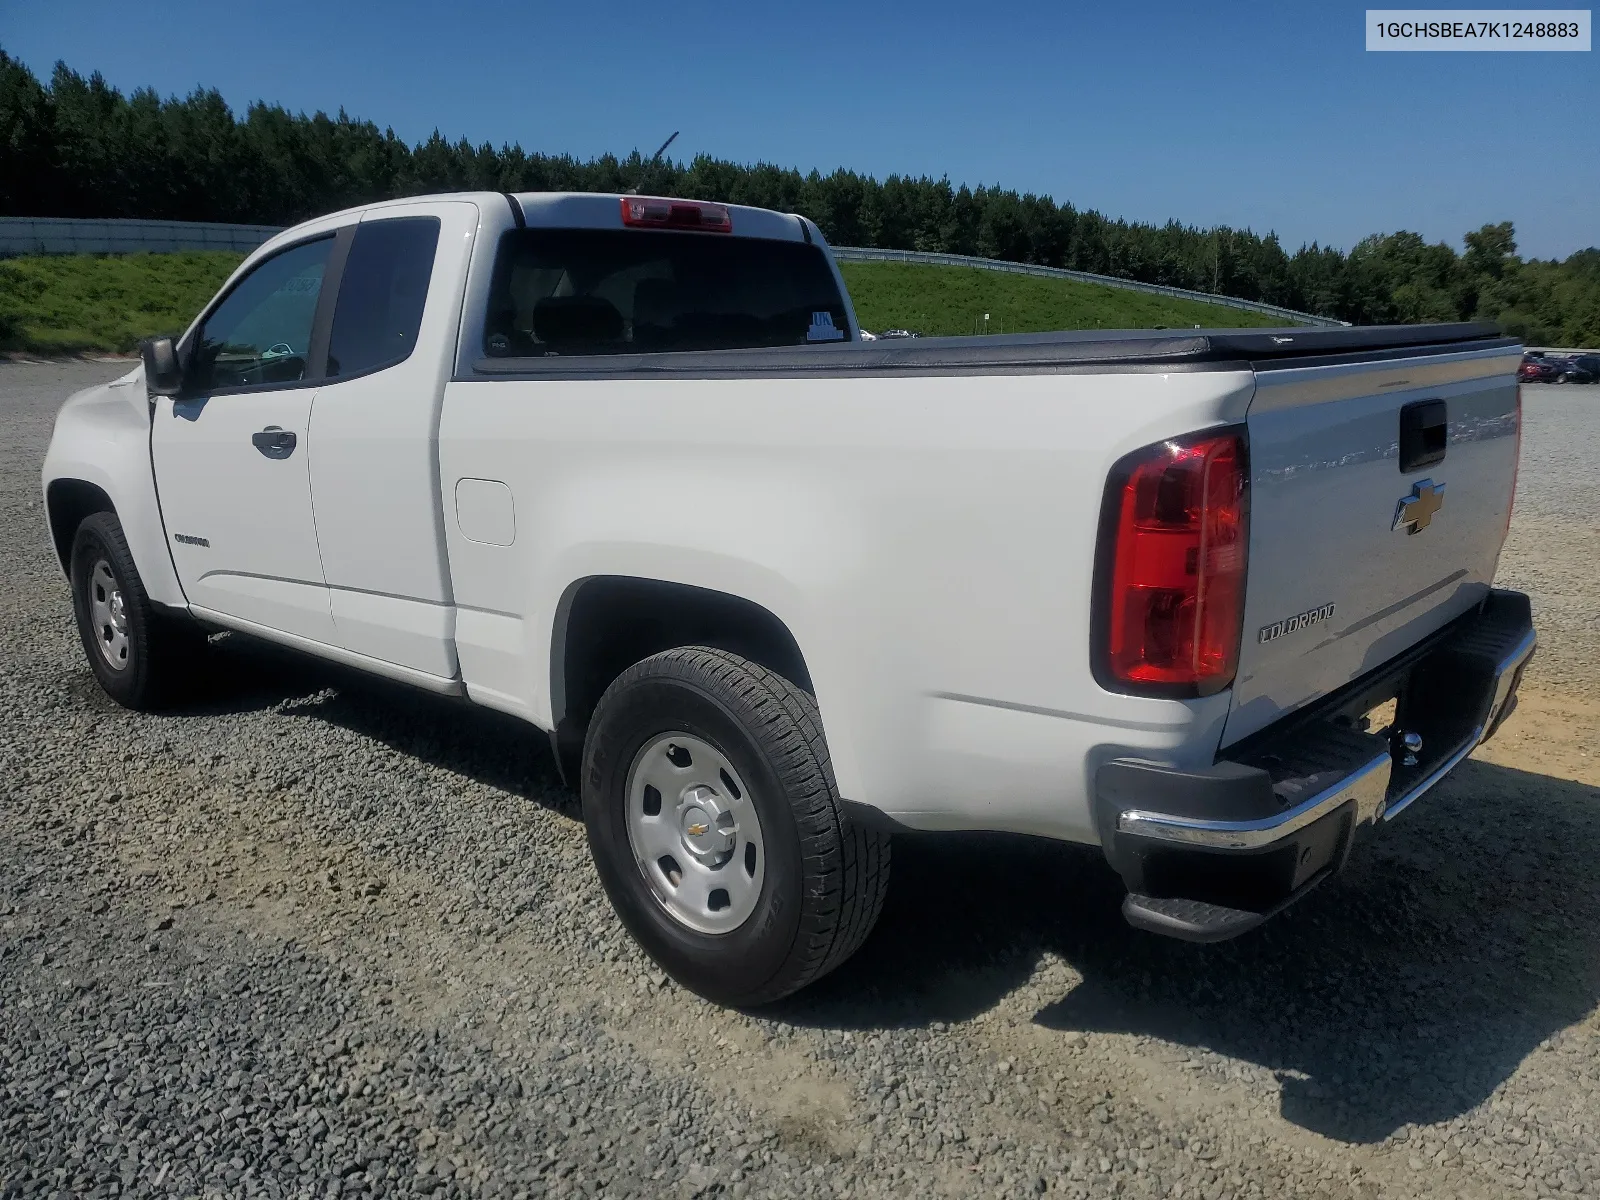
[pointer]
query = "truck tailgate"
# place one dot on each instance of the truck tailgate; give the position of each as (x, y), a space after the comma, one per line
(1380, 491)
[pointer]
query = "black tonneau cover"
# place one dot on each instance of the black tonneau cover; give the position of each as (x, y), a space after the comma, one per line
(1024, 352)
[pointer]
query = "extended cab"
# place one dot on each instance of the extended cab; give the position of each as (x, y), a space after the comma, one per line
(1216, 602)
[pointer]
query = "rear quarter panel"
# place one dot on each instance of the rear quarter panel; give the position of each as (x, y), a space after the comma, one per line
(928, 540)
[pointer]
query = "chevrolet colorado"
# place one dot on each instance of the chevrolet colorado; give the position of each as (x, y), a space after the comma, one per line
(1218, 602)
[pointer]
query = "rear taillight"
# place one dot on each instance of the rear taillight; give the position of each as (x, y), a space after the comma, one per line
(1173, 596)
(655, 212)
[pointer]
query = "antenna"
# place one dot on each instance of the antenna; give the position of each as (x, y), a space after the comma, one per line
(654, 158)
(663, 148)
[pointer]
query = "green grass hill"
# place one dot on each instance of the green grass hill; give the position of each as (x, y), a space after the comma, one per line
(71, 304)
(952, 300)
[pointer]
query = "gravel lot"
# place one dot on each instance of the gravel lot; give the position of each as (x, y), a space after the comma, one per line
(317, 936)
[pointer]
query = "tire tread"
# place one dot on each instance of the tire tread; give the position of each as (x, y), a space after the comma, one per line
(171, 647)
(846, 864)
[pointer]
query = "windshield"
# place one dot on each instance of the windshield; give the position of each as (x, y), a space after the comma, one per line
(602, 291)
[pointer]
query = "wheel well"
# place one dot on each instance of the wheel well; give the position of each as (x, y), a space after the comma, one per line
(68, 502)
(612, 622)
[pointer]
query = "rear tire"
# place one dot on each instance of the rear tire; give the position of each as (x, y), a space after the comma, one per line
(140, 656)
(822, 876)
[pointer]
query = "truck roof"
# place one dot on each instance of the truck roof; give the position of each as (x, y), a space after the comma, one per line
(581, 210)
(602, 210)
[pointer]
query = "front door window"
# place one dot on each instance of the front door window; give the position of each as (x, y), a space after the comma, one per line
(261, 333)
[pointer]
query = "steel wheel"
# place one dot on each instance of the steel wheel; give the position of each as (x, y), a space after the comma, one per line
(694, 833)
(717, 830)
(140, 656)
(109, 613)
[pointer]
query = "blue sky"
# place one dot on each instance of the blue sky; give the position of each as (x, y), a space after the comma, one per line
(1271, 116)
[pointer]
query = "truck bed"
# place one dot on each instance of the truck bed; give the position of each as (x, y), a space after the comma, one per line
(1030, 352)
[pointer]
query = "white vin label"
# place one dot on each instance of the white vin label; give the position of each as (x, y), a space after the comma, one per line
(1478, 29)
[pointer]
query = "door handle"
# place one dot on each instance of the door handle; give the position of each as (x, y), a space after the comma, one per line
(274, 441)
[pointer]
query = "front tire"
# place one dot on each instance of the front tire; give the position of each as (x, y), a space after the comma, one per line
(139, 655)
(717, 829)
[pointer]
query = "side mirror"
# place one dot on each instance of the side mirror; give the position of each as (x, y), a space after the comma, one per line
(163, 374)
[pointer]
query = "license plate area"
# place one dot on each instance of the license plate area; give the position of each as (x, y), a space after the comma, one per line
(1451, 690)
(1425, 708)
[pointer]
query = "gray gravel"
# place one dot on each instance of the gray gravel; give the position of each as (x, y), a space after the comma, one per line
(1553, 553)
(318, 936)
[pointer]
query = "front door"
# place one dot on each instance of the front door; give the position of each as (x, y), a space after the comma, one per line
(231, 454)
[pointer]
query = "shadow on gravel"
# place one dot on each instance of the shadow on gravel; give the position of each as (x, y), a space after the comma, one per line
(1404, 992)
(499, 750)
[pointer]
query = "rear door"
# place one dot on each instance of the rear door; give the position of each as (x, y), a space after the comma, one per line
(374, 475)
(1379, 497)
(231, 453)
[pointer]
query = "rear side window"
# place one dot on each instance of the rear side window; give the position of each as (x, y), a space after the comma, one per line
(604, 291)
(381, 295)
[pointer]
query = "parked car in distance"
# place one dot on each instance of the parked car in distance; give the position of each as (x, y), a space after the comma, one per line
(898, 333)
(1536, 368)
(1579, 368)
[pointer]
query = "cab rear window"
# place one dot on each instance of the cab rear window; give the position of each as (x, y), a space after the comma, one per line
(633, 291)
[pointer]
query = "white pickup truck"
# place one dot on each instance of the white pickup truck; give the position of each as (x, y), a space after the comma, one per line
(1215, 602)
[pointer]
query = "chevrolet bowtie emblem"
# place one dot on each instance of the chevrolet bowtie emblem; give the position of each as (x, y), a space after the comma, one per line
(1415, 512)
(697, 829)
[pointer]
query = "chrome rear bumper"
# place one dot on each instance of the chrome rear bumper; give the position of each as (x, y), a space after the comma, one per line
(1277, 815)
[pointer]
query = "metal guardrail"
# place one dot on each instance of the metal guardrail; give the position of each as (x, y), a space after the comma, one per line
(116, 235)
(74, 235)
(871, 254)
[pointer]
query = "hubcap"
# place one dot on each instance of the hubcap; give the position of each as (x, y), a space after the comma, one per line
(694, 833)
(109, 615)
